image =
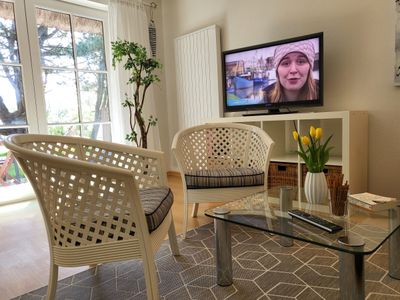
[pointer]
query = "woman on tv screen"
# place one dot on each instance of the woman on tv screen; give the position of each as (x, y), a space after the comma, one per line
(280, 74)
(293, 64)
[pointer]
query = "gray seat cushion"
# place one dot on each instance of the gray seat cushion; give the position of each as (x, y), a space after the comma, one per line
(156, 203)
(224, 178)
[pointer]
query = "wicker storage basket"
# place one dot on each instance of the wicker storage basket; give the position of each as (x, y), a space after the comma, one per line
(282, 174)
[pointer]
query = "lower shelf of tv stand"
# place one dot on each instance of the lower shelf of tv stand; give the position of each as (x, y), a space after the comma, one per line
(293, 158)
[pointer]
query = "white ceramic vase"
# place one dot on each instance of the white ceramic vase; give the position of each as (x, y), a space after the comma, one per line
(316, 188)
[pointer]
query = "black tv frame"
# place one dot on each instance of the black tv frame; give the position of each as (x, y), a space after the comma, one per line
(274, 107)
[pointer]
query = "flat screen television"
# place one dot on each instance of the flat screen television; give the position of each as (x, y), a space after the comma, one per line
(275, 75)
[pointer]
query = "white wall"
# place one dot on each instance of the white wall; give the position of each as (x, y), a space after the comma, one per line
(159, 89)
(359, 59)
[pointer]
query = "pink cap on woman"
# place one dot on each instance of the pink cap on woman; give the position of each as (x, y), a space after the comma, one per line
(305, 47)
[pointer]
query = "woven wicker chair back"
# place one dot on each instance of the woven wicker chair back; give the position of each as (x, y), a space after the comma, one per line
(86, 188)
(221, 146)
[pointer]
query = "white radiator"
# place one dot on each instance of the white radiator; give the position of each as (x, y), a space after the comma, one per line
(198, 72)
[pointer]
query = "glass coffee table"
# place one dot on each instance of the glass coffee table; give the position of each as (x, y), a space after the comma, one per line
(362, 234)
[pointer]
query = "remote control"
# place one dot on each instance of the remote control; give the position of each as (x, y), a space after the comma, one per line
(314, 220)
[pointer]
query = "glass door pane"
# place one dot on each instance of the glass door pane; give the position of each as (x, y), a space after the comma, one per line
(60, 96)
(55, 38)
(74, 74)
(92, 78)
(53, 74)
(89, 44)
(12, 101)
(13, 118)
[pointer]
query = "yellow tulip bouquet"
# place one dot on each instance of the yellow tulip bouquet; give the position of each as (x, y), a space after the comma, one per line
(314, 153)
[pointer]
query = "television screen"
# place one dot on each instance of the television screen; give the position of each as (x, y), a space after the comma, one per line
(274, 75)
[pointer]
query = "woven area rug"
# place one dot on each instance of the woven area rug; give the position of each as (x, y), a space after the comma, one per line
(262, 269)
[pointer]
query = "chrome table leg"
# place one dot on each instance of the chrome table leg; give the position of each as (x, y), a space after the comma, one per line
(285, 203)
(287, 228)
(351, 276)
(394, 245)
(223, 252)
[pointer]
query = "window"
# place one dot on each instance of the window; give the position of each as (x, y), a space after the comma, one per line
(12, 100)
(53, 73)
(13, 113)
(74, 74)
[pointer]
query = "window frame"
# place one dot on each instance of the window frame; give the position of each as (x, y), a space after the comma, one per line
(79, 11)
(26, 70)
(32, 84)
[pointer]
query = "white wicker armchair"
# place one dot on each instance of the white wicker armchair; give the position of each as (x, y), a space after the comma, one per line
(221, 162)
(101, 202)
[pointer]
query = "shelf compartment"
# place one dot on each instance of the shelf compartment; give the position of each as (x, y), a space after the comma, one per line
(282, 174)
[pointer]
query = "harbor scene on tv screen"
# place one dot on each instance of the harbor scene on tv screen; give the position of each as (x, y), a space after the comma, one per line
(250, 73)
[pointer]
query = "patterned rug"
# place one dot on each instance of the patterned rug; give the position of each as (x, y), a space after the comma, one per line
(262, 270)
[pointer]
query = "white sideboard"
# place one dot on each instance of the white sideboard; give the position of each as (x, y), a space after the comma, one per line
(350, 140)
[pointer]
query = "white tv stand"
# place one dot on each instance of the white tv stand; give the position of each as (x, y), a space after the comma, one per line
(350, 140)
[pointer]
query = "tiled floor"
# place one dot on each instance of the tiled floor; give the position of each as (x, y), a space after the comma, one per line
(24, 251)
(262, 270)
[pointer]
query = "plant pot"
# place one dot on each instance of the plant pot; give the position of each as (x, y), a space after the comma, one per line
(316, 188)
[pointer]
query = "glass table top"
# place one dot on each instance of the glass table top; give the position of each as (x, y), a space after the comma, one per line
(263, 212)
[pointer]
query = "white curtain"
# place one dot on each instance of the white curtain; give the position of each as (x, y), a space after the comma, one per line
(128, 21)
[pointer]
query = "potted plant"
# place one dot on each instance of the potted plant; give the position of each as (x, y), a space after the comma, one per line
(315, 155)
(142, 74)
